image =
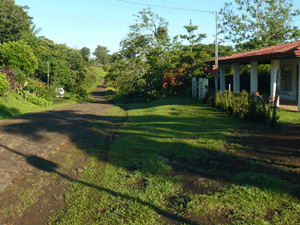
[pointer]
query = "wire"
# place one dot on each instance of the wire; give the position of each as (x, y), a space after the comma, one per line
(175, 4)
(165, 7)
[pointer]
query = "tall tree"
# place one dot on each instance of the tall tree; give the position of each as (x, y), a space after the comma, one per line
(251, 24)
(85, 53)
(192, 38)
(101, 54)
(14, 21)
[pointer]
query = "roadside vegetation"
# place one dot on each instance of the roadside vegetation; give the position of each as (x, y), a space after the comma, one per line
(17, 105)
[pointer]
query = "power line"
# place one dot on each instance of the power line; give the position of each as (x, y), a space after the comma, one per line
(174, 4)
(166, 7)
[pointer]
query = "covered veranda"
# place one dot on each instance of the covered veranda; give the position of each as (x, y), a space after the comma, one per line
(285, 57)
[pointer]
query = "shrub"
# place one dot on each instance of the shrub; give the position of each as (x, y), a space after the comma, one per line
(241, 105)
(4, 85)
(37, 100)
(18, 55)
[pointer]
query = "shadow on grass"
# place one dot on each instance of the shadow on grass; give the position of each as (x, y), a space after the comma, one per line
(8, 112)
(48, 166)
(150, 133)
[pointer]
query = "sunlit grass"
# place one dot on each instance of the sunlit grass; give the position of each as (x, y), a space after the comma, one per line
(286, 116)
(137, 185)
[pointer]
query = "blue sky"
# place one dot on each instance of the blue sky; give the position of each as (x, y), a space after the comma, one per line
(88, 23)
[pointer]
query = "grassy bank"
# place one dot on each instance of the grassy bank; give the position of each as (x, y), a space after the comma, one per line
(16, 107)
(169, 164)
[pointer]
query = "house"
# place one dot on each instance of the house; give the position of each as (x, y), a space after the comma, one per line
(285, 57)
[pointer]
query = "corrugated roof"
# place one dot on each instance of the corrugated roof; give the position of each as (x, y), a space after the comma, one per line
(264, 55)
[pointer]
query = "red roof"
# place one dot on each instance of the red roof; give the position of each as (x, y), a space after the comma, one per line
(263, 55)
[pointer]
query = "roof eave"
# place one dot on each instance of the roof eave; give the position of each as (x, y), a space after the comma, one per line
(262, 59)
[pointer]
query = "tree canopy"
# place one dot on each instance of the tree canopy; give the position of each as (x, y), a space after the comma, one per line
(252, 24)
(150, 64)
(101, 53)
(14, 21)
(85, 53)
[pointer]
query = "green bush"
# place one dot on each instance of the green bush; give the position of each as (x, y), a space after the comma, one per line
(4, 85)
(241, 105)
(37, 100)
(18, 55)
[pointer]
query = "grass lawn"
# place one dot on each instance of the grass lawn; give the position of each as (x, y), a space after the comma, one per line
(169, 164)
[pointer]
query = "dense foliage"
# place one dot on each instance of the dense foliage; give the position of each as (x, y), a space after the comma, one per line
(150, 64)
(18, 55)
(14, 21)
(37, 65)
(252, 24)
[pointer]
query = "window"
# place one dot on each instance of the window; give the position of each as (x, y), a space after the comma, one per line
(286, 79)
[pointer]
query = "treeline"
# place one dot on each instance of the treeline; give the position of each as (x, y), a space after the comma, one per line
(37, 64)
(151, 64)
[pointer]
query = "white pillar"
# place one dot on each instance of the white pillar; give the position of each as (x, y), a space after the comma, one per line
(274, 69)
(236, 77)
(275, 64)
(222, 78)
(254, 77)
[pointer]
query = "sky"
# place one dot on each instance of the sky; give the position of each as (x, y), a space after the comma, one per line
(89, 23)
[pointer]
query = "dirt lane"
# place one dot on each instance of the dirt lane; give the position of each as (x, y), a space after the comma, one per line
(42, 134)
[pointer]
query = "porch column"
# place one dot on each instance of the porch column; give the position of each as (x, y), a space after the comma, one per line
(222, 78)
(236, 77)
(274, 69)
(253, 77)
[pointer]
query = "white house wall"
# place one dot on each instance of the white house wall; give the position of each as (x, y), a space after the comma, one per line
(294, 63)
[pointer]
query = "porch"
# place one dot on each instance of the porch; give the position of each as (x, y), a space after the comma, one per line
(284, 58)
(291, 105)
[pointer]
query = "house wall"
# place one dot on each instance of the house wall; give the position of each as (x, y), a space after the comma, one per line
(294, 64)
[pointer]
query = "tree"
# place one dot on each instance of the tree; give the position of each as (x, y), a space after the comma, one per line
(101, 54)
(85, 53)
(252, 24)
(14, 21)
(191, 37)
(18, 55)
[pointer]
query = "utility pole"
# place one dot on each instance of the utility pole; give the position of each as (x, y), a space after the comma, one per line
(216, 54)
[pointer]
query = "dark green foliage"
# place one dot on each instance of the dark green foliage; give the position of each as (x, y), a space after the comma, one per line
(14, 21)
(241, 105)
(101, 54)
(4, 85)
(85, 53)
(61, 75)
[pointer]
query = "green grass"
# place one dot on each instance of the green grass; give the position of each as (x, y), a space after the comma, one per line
(286, 116)
(139, 187)
(100, 74)
(14, 107)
